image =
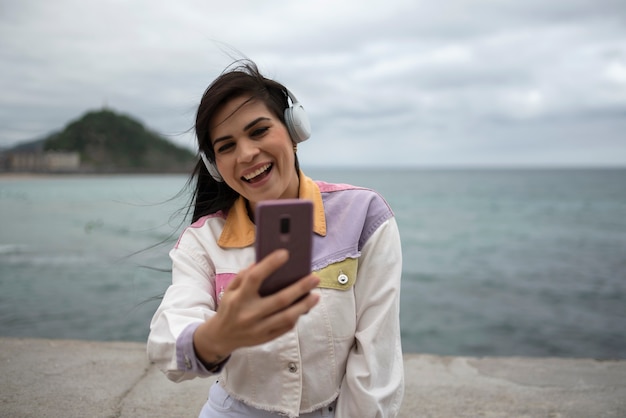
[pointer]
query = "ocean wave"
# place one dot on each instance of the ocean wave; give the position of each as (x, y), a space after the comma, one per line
(10, 249)
(26, 258)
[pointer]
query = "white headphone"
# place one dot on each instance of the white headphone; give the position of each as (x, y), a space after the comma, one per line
(211, 168)
(297, 121)
(297, 124)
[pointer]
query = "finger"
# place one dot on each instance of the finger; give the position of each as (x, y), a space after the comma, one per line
(261, 270)
(287, 296)
(270, 263)
(235, 282)
(286, 319)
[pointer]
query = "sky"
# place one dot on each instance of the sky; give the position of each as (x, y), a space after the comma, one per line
(446, 83)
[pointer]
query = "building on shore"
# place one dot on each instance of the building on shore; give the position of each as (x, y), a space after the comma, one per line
(40, 162)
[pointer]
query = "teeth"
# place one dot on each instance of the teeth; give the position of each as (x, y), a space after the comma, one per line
(255, 173)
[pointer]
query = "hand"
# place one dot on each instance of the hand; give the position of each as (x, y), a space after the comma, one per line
(244, 318)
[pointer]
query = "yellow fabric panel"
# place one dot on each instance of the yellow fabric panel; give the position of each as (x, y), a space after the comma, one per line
(333, 275)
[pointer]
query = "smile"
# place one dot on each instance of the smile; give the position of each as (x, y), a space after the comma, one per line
(258, 174)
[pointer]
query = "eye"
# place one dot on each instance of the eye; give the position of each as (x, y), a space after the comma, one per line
(224, 147)
(259, 132)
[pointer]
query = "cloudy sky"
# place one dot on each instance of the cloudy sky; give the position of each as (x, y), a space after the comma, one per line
(394, 82)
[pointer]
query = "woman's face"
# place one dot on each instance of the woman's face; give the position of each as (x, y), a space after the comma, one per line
(253, 151)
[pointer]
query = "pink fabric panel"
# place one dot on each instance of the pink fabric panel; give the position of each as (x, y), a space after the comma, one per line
(222, 280)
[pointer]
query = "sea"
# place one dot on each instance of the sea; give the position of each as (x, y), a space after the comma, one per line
(496, 262)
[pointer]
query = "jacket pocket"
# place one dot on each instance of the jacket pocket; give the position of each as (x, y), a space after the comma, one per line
(222, 280)
(337, 304)
(339, 276)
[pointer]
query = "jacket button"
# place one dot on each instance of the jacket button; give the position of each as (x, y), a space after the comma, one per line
(342, 279)
(187, 363)
(293, 367)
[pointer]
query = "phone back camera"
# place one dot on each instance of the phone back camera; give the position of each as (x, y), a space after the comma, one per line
(285, 225)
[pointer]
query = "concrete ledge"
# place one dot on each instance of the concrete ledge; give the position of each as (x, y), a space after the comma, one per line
(62, 378)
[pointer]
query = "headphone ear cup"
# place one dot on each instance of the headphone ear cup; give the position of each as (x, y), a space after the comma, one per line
(211, 168)
(297, 123)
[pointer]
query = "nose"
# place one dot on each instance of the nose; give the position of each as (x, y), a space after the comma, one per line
(247, 150)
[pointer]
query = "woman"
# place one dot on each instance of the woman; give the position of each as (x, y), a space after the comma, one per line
(336, 350)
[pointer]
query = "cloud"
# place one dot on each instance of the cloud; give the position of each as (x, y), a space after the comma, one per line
(452, 82)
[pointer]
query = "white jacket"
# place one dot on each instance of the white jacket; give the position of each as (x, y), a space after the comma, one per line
(347, 346)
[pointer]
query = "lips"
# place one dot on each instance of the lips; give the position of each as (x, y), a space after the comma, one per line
(258, 174)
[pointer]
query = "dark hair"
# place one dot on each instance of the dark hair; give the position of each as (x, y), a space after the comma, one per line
(239, 79)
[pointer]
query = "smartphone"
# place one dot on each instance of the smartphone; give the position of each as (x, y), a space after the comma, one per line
(284, 223)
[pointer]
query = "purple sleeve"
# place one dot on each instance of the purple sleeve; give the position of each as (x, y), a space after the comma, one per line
(186, 358)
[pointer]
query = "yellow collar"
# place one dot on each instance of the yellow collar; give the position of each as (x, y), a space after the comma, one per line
(239, 231)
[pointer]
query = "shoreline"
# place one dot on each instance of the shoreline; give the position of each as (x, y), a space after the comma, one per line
(70, 378)
(348, 169)
(80, 340)
(28, 176)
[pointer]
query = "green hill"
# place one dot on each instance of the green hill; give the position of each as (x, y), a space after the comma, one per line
(111, 142)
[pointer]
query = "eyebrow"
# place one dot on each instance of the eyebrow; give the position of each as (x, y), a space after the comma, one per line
(245, 128)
